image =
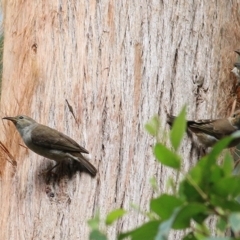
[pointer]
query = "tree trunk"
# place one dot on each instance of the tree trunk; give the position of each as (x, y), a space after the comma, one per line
(117, 63)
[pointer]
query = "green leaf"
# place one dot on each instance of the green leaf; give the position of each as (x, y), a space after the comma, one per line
(228, 187)
(146, 231)
(171, 184)
(114, 215)
(217, 149)
(152, 126)
(228, 164)
(201, 230)
(166, 156)
(154, 184)
(224, 203)
(190, 236)
(97, 235)
(165, 227)
(202, 178)
(205, 174)
(188, 212)
(222, 225)
(164, 205)
(94, 222)
(234, 220)
(189, 192)
(178, 129)
(197, 172)
(216, 174)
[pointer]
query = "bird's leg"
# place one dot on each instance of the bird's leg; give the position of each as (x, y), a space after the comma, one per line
(53, 167)
(49, 170)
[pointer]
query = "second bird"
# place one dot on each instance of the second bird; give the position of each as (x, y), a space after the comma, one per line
(209, 131)
(50, 143)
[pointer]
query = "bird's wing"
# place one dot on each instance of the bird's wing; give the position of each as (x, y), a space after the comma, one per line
(51, 138)
(218, 128)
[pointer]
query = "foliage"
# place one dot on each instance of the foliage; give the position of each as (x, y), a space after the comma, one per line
(206, 190)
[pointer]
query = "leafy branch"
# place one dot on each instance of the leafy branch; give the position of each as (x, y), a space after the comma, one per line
(207, 190)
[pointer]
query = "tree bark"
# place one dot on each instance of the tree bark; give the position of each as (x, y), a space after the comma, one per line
(117, 63)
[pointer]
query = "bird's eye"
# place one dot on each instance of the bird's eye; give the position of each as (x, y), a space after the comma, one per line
(21, 117)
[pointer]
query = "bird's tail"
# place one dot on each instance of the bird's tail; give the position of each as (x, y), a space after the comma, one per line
(86, 164)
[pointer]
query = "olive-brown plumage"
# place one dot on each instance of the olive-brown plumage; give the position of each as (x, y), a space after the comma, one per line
(50, 143)
(210, 131)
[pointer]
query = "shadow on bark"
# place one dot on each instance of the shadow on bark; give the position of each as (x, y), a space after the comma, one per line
(66, 169)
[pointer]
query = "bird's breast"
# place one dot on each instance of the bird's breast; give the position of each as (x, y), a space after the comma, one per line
(26, 134)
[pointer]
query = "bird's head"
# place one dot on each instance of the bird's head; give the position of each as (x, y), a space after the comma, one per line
(235, 119)
(21, 121)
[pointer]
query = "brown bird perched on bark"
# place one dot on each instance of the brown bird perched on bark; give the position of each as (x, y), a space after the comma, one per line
(209, 132)
(50, 143)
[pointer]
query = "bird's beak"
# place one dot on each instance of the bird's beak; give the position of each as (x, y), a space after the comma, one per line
(237, 51)
(13, 119)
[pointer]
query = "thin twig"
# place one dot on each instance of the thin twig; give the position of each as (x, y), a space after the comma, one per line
(4, 148)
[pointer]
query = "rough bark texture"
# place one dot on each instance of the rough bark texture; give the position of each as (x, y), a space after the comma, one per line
(117, 63)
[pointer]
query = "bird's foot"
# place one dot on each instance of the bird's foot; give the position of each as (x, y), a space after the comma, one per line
(46, 172)
(49, 171)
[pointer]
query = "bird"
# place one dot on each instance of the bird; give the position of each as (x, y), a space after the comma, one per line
(50, 143)
(209, 131)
